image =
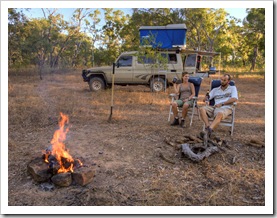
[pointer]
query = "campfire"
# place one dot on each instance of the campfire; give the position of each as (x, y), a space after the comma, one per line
(60, 161)
(57, 165)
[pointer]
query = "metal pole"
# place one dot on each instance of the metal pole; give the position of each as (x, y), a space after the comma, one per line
(110, 117)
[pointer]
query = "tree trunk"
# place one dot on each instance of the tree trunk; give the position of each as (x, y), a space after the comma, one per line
(254, 58)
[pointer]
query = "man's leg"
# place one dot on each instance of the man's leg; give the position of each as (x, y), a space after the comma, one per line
(217, 120)
(204, 116)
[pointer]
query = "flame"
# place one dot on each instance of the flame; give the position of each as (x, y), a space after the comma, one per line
(58, 147)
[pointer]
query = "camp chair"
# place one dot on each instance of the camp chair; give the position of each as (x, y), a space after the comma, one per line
(230, 120)
(192, 110)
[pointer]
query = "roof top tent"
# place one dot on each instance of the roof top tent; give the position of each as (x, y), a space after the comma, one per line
(193, 62)
(163, 37)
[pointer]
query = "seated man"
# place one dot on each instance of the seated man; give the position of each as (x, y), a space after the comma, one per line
(224, 97)
(187, 92)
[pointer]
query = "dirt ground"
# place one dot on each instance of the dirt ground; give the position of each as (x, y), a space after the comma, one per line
(125, 152)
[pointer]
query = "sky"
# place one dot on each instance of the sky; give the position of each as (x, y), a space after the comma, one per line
(239, 13)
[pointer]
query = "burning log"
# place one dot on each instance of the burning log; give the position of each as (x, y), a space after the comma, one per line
(53, 164)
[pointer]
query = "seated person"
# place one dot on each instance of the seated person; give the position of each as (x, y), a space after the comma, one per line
(224, 96)
(186, 91)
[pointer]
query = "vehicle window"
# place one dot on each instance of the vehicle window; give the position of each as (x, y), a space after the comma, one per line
(125, 61)
(190, 60)
(171, 58)
(145, 60)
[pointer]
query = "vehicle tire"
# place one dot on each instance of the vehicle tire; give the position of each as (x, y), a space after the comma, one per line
(157, 84)
(96, 84)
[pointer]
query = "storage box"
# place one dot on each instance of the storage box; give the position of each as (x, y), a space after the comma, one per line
(166, 37)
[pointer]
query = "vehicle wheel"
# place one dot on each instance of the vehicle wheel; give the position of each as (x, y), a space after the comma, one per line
(157, 84)
(96, 84)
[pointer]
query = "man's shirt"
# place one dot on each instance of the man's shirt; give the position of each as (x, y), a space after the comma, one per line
(221, 96)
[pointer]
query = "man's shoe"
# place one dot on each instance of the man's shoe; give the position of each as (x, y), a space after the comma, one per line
(175, 122)
(209, 131)
(182, 123)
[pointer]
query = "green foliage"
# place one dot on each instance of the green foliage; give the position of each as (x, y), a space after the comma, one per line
(53, 42)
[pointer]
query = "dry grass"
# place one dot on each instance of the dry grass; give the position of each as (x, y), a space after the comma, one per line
(129, 170)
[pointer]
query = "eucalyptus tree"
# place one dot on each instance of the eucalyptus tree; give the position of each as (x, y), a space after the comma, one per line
(111, 33)
(16, 22)
(254, 25)
(35, 42)
(204, 26)
(84, 20)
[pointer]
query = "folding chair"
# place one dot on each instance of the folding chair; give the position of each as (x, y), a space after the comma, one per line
(230, 120)
(194, 110)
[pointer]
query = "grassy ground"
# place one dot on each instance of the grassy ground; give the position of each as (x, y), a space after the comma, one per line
(129, 170)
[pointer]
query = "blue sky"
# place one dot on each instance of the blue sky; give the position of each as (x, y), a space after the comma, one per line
(239, 13)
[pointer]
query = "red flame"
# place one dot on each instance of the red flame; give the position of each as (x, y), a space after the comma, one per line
(58, 147)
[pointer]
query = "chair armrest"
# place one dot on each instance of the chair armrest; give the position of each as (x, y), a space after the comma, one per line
(172, 94)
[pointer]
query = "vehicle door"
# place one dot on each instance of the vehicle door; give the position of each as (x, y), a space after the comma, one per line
(190, 63)
(174, 66)
(144, 69)
(124, 69)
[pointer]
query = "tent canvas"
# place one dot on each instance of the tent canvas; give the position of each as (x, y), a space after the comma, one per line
(164, 37)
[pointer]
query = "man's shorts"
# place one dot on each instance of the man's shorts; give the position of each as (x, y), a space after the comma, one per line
(212, 111)
(180, 103)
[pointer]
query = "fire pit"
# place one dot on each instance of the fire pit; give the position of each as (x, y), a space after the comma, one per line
(57, 165)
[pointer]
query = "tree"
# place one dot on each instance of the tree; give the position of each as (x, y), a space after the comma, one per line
(255, 31)
(35, 43)
(16, 24)
(111, 31)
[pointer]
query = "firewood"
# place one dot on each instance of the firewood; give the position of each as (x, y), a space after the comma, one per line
(255, 141)
(167, 140)
(213, 143)
(255, 145)
(193, 138)
(181, 140)
(234, 159)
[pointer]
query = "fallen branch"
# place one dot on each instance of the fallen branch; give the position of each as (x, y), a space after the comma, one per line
(193, 138)
(255, 145)
(199, 156)
(255, 141)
